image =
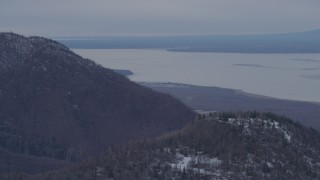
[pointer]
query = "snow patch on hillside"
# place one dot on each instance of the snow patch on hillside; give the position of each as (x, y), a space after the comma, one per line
(196, 162)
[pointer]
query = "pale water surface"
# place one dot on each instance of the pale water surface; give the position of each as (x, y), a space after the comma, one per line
(286, 76)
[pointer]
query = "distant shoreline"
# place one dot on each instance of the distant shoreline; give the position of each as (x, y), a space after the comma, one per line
(238, 91)
(124, 72)
(205, 98)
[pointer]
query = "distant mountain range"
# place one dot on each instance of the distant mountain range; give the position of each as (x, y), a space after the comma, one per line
(57, 108)
(239, 146)
(296, 42)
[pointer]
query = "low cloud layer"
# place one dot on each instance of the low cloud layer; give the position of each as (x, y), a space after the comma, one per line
(154, 17)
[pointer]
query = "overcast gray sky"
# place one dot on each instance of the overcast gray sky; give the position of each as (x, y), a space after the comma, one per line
(157, 17)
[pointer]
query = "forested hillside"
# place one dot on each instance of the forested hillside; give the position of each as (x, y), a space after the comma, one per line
(244, 145)
(58, 105)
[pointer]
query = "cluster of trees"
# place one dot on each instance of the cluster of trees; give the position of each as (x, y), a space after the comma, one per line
(30, 144)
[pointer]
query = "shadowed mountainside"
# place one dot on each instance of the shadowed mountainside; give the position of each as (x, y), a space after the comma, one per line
(55, 104)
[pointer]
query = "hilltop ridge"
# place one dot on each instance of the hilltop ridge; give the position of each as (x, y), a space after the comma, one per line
(242, 145)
